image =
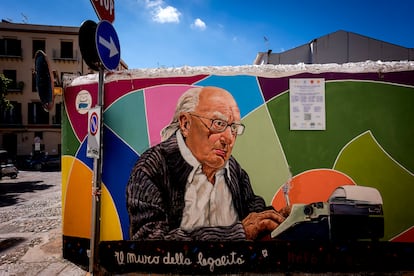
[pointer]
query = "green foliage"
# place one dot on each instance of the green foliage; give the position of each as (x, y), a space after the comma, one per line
(4, 82)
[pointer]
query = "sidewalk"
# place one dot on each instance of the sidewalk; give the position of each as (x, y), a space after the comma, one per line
(30, 226)
(44, 258)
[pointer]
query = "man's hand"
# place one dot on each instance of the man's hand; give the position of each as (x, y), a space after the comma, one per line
(266, 221)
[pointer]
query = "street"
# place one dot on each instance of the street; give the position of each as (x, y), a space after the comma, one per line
(30, 226)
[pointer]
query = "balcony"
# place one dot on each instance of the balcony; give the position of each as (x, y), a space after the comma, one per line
(15, 87)
(13, 55)
(11, 118)
(59, 55)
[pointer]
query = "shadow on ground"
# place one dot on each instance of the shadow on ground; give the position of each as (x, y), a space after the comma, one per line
(10, 242)
(10, 191)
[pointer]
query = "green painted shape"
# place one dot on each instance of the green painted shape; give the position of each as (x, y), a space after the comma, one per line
(70, 143)
(127, 118)
(352, 108)
(259, 152)
(369, 165)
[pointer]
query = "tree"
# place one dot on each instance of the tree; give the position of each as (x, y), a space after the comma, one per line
(4, 82)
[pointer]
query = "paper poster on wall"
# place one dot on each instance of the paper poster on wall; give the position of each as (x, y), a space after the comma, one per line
(307, 104)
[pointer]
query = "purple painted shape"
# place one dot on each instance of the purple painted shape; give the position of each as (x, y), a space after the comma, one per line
(272, 87)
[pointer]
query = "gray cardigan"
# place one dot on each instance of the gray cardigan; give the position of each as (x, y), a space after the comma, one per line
(155, 197)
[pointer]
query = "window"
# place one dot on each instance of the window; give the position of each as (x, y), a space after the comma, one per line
(11, 74)
(66, 49)
(57, 119)
(36, 114)
(10, 47)
(38, 44)
(11, 116)
(39, 134)
(34, 89)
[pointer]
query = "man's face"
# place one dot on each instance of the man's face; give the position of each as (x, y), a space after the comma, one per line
(211, 149)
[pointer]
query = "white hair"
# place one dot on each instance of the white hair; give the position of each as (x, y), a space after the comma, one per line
(186, 103)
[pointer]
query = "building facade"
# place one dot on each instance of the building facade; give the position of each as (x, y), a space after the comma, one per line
(338, 47)
(27, 126)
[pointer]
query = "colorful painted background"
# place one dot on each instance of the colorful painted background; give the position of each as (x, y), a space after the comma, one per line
(368, 141)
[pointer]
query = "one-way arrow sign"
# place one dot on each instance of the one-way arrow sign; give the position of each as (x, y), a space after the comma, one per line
(107, 44)
(110, 45)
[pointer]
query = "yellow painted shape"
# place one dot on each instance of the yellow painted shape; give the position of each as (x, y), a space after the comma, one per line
(77, 203)
(67, 163)
(110, 223)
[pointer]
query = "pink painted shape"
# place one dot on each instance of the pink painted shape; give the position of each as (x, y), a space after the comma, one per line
(113, 91)
(120, 87)
(160, 104)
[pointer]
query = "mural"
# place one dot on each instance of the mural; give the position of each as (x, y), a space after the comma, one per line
(367, 142)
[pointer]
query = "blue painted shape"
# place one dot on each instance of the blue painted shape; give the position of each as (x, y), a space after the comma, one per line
(245, 90)
(81, 155)
(119, 159)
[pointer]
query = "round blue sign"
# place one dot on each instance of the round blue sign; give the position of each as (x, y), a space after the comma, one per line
(107, 45)
(94, 124)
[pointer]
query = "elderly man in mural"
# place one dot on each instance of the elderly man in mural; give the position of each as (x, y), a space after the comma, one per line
(190, 187)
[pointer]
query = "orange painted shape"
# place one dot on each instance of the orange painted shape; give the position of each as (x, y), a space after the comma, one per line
(78, 203)
(312, 186)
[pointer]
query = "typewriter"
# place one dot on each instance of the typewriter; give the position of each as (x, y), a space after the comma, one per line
(351, 213)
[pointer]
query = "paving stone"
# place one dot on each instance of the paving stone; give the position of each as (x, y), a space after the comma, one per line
(30, 226)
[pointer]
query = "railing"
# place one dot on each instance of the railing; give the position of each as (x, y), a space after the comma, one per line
(15, 87)
(57, 55)
(13, 54)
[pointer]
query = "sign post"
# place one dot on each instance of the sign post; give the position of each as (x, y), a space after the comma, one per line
(105, 53)
(97, 177)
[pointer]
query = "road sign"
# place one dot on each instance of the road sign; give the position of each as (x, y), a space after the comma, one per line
(94, 137)
(87, 45)
(105, 9)
(107, 44)
(94, 123)
(44, 80)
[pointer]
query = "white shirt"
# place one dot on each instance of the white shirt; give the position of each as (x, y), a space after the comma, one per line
(206, 205)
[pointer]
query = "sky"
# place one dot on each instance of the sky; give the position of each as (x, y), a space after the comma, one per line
(176, 33)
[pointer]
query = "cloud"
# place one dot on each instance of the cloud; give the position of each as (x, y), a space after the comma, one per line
(199, 24)
(162, 13)
(153, 3)
(168, 14)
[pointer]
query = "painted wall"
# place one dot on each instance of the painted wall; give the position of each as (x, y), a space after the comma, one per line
(368, 141)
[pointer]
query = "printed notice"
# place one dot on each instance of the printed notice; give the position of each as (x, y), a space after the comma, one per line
(307, 104)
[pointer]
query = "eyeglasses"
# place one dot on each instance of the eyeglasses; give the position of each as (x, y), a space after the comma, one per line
(218, 125)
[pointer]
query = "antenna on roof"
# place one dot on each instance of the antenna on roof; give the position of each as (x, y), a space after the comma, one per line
(25, 18)
(266, 41)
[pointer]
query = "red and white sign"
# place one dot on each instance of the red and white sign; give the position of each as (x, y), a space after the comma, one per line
(93, 146)
(105, 9)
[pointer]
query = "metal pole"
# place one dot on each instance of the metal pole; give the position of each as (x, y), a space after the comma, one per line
(96, 186)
